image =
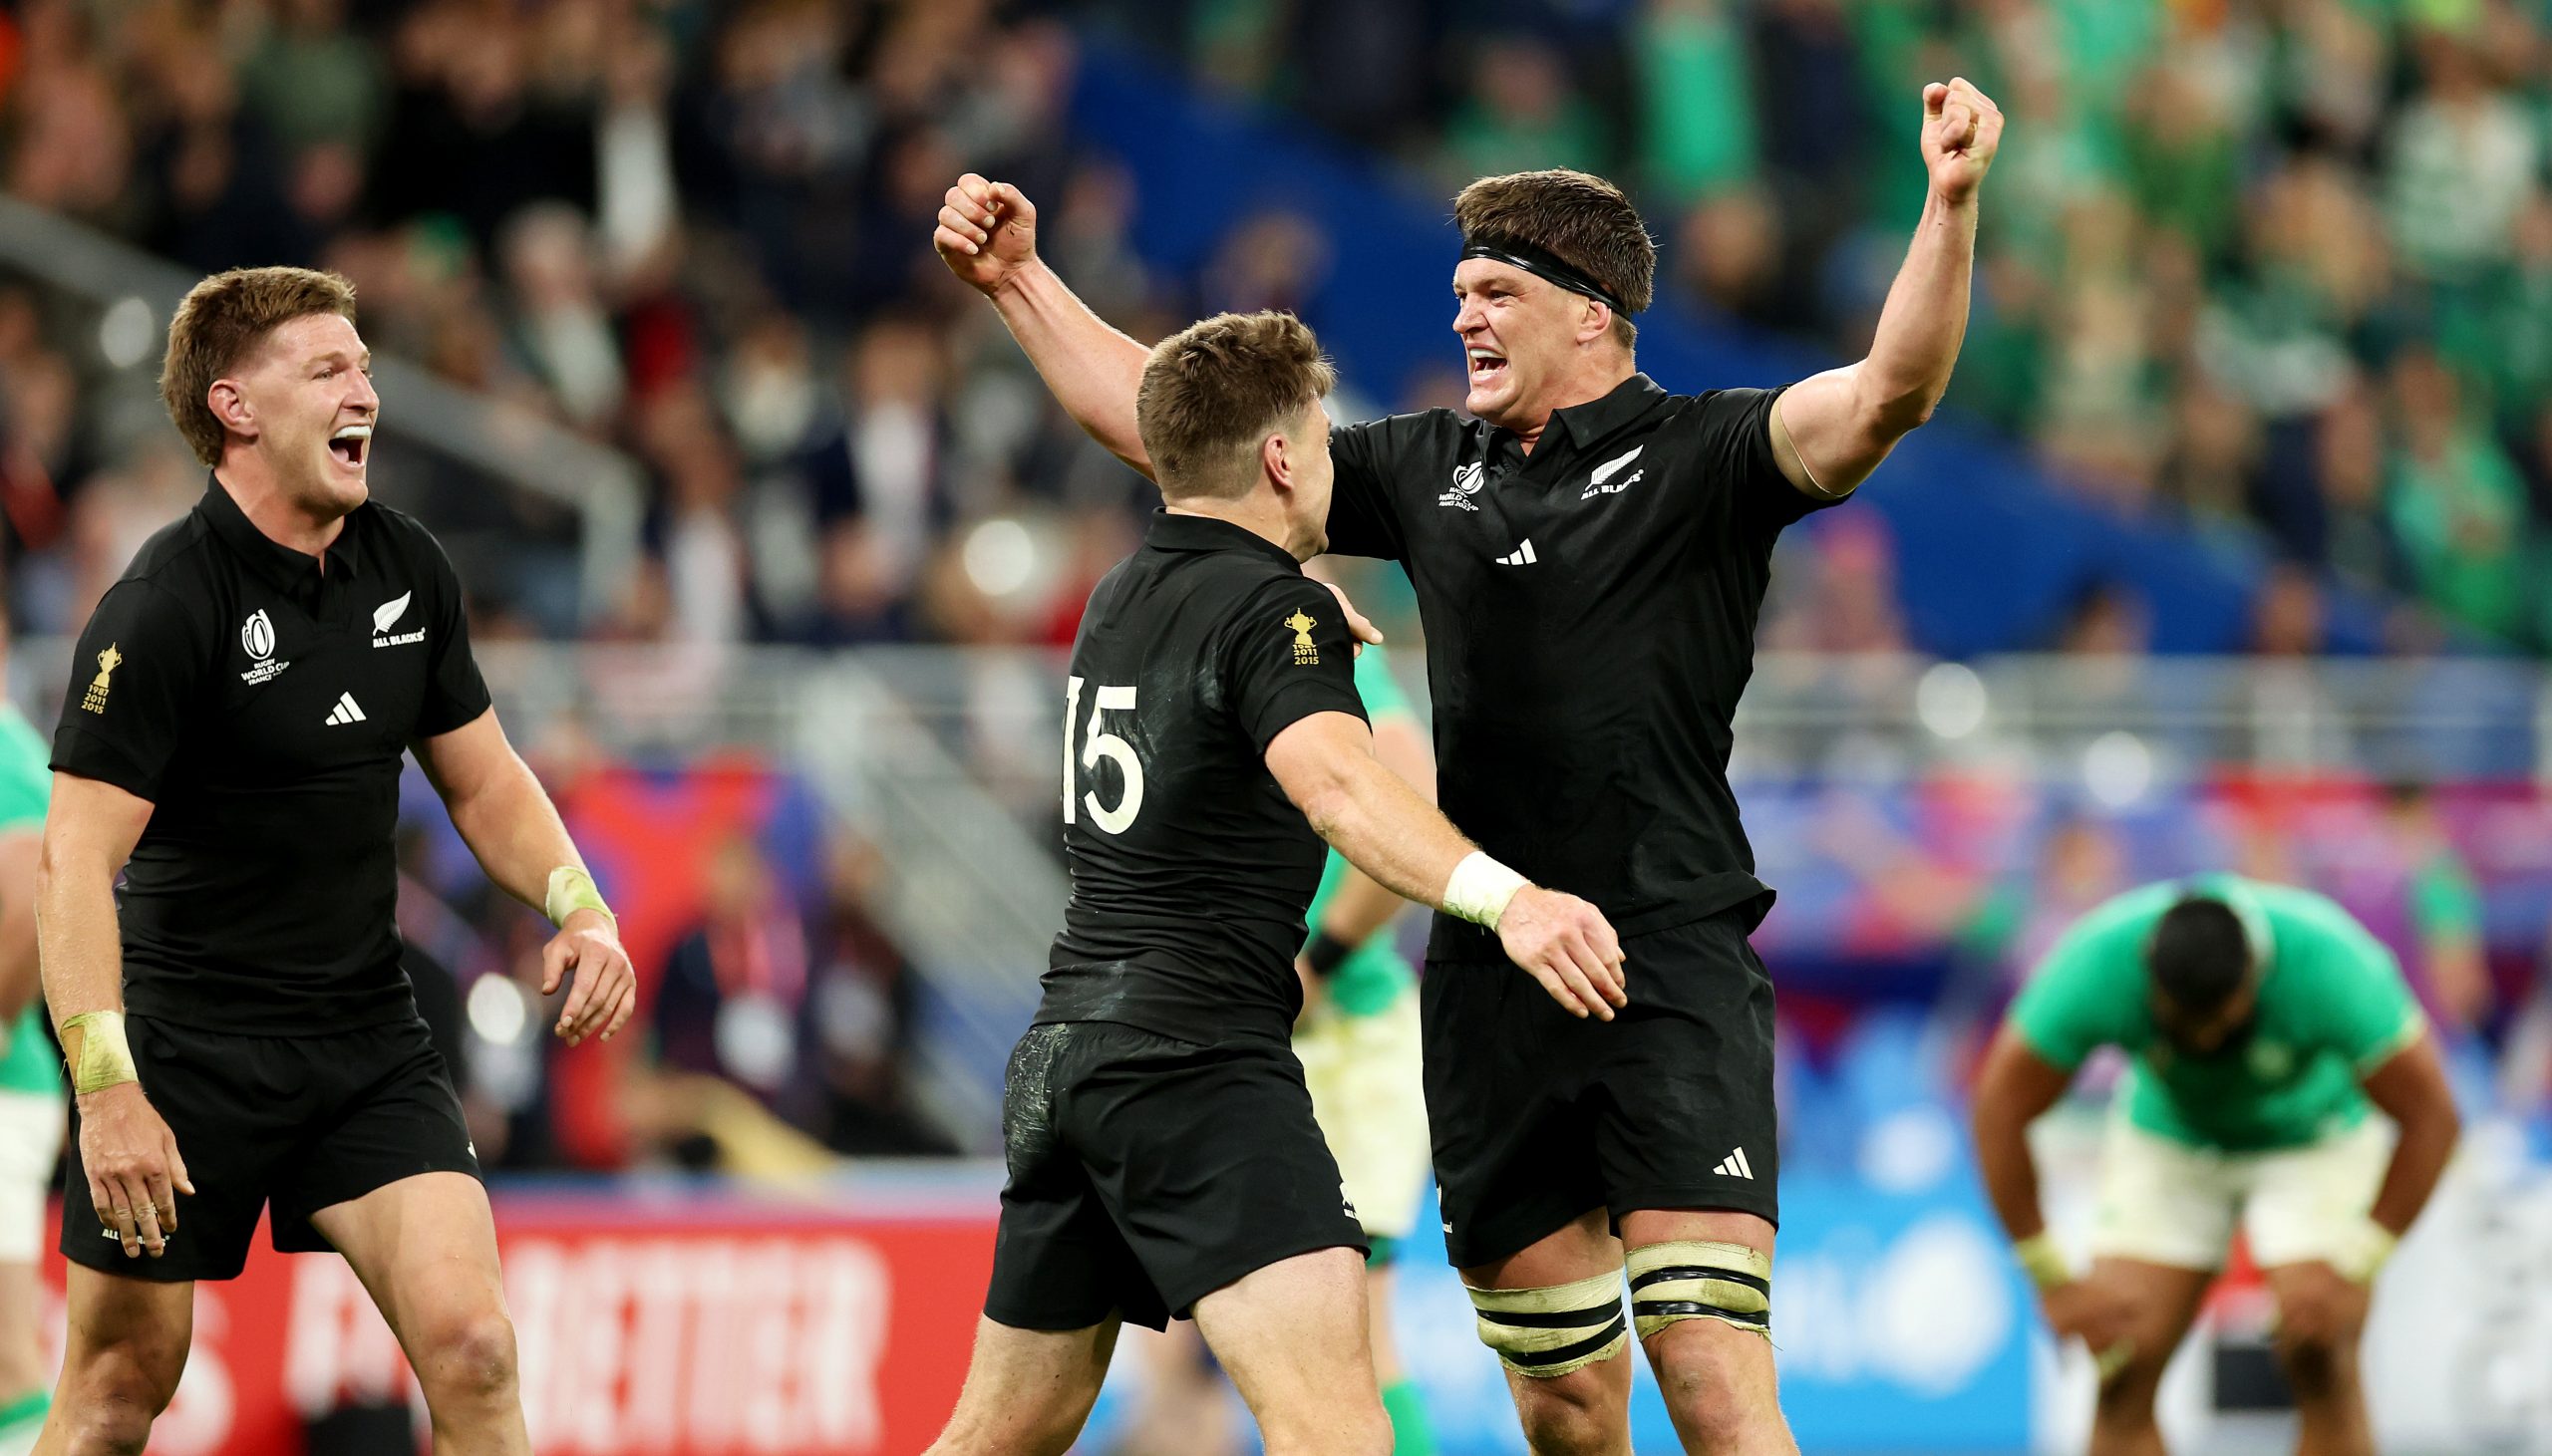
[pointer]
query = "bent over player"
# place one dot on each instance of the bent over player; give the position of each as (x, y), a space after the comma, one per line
(2262, 1021)
(1164, 1160)
(240, 1035)
(1589, 553)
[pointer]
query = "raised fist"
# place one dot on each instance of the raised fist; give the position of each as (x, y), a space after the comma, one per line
(987, 233)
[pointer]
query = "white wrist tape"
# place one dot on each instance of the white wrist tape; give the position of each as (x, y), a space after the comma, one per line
(1480, 889)
(2045, 1263)
(105, 1058)
(2365, 1251)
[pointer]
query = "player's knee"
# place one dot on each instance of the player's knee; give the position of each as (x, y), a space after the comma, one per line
(1705, 1377)
(2126, 1397)
(108, 1405)
(2317, 1370)
(1362, 1431)
(112, 1392)
(1573, 1416)
(468, 1355)
(109, 1428)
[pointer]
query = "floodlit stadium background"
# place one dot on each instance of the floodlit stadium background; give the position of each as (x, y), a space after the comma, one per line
(2232, 547)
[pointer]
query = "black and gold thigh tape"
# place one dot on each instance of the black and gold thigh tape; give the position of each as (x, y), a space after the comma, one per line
(1548, 1332)
(1694, 1278)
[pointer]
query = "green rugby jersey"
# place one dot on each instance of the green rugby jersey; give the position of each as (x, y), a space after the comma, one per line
(2333, 1007)
(26, 787)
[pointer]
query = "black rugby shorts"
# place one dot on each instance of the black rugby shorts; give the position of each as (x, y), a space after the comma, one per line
(1538, 1116)
(1147, 1172)
(300, 1123)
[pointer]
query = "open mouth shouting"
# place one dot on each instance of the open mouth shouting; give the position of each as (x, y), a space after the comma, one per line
(351, 445)
(1486, 366)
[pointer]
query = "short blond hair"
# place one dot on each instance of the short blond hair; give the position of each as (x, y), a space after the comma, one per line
(1213, 391)
(222, 322)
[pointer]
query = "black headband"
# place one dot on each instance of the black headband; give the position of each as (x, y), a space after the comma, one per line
(1541, 262)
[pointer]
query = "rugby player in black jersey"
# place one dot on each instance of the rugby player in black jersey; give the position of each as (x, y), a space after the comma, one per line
(1163, 1159)
(242, 1039)
(1589, 553)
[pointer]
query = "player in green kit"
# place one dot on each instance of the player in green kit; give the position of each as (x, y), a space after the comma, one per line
(2263, 1028)
(31, 1101)
(1362, 1053)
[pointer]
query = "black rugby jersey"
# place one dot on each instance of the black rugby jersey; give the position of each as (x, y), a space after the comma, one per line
(1190, 868)
(1590, 624)
(261, 705)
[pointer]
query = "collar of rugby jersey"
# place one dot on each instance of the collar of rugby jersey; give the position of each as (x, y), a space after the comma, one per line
(278, 565)
(1171, 532)
(1583, 426)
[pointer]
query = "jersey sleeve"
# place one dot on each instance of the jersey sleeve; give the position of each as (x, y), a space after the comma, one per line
(1380, 690)
(2086, 994)
(1362, 519)
(135, 680)
(1737, 449)
(456, 693)
(1287, 655)
(2362, 1002)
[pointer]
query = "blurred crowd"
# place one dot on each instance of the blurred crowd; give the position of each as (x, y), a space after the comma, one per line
(2264, 265)
(695, 232)
(2280, 268)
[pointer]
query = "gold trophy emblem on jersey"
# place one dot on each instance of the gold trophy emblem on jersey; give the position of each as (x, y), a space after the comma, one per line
(1306, 650)
(96, 699)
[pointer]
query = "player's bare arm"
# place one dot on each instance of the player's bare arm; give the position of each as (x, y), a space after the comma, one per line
(2014, 1088)
(1326, 764)
(134, 1170)
(987, 236)
(19, 988)
(508, 822)
(2324, 1302)
(1361, 905)
(1830, 430)
(2411, 1088)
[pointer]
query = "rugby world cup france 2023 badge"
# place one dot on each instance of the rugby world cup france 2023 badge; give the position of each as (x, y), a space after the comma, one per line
(1467, 484)
(257, 639)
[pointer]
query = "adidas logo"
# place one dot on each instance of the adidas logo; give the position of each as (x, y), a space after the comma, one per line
(1734, 1166)
(1520, 556)
(345, 712)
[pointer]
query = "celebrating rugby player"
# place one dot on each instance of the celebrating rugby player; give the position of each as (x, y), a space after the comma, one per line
(1163, 1158)
(240, 1035)
(1589, 553)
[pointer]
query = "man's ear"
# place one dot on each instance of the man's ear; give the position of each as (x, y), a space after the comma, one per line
(230, 405)
(1595, 321)
(1276, 460)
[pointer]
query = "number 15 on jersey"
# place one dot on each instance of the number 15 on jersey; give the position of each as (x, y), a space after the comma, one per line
(1098, 745)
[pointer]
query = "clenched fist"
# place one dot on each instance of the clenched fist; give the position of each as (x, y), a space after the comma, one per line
(1961, 129)
(987, 233)
(1567, 946)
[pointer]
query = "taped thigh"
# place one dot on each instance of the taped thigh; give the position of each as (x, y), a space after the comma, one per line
(1698, 1279)
(1548, 1332)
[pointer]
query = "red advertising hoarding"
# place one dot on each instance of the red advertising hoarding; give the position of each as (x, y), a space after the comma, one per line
(693, 1326)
